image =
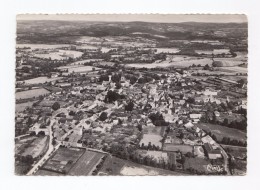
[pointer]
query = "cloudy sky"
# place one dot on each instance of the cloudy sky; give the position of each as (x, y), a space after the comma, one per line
(169, 18)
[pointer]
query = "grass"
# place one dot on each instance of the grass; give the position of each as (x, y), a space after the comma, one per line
(31, 93)
(40, 80)
(196, 163)
(86, 163)
(63, 160)
(222, 131)
(237, 152)
(114, 166)
(21, 107)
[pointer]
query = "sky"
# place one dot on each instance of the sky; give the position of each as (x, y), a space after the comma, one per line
(162, 18)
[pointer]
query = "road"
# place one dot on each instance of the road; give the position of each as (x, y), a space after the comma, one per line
(50, 149)
(225, 157)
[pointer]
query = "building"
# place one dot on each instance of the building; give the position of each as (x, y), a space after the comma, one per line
(211, 153)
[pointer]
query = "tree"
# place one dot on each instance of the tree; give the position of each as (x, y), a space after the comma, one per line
(189, 154)
(129, 106)
(139, 127)
(214, 137)
(103, 116)
(55, 106)
(41, 133)
(225, 122)
(206, 67)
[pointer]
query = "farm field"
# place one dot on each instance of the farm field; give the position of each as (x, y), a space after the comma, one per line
(176, 61)
(234, 69)
(60, 55)
(86, 163)
(31, 93)
(40, 80)
(115, 166)
(78, 68)
(63, 160)
(222, 131)
(164, 50)
(236, 151)
(23, 106)
(42, 46)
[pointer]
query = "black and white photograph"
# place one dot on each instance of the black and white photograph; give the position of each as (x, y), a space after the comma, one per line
(131, 95)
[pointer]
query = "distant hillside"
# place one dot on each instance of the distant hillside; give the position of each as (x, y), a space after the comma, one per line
(35, 30)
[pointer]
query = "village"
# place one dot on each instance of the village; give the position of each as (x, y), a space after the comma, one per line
(126, 106)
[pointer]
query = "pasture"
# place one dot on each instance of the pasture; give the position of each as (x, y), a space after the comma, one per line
(42, 46)
(59, 55)
(116, 166)
(40, 80)
(174, 61)
(222, 131)
(21, 107)
(31, 93)
(78, 68)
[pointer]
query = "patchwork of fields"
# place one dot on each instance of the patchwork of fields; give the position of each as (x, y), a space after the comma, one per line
(71, 161)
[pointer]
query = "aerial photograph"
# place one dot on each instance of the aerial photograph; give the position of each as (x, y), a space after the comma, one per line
(131, 95)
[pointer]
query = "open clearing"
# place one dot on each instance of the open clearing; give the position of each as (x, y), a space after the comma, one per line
(31, 93)
(32, 146)
(78, 68)
(21, 107)
(234, 69)
(236, 151)
(41, 80)
(42, 46)
(86, 163)
(174, 61)
(60, 55)
(222, 131)
(115, 166)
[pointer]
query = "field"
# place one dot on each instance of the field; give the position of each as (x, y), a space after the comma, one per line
(215, 51)
(32, 146)
(196, 163)
(41, 80)
(167, 50)
(174, 60)
(78, 68)
(21, 107)
(86, 163)
(42, 46)
(38, 147)
(115, 166)
(63, 160)
(234, 69)
(237, 152)
(31, 93)
(60, 55)
(221, 131)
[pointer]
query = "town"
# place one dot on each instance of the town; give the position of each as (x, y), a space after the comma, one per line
(130, 98)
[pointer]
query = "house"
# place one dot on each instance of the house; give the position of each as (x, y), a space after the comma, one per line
(211, 153)
(207, 139)
(195, 117)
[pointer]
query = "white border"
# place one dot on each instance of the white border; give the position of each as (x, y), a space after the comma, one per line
(8, 11)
